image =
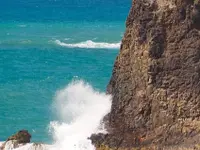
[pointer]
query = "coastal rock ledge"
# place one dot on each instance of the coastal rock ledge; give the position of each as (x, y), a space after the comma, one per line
(156, 79)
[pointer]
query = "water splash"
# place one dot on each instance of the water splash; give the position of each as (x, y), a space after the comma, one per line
(80, 109)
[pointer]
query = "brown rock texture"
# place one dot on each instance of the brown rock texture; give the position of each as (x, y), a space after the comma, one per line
(156, 78)
(21, 137)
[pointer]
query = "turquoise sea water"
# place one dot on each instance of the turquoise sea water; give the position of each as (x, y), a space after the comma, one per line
(44, 45)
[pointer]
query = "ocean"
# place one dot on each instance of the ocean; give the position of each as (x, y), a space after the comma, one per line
(56, 59)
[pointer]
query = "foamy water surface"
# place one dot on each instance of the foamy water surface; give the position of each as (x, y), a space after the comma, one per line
(80, 110)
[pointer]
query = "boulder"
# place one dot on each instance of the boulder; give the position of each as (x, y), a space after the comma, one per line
(20, 138)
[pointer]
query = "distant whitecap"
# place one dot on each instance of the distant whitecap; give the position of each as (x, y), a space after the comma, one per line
(22, 25)
(90, 44)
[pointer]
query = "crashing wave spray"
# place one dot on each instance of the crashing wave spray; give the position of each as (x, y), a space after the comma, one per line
(81, 110)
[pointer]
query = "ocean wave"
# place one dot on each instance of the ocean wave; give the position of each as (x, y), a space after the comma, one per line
(90, 44)
(80, 109)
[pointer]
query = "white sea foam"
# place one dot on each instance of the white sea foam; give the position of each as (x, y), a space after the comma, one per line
(66, 39)
(29, 146)
(90, 44)
(80, 110)
(22, 25)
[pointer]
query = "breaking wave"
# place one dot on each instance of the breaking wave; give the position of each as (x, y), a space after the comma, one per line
(90, 44)
(81, 110)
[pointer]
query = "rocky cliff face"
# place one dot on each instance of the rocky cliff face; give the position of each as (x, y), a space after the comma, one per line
(156, 77)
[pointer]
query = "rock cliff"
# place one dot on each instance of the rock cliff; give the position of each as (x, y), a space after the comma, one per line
(156, 78)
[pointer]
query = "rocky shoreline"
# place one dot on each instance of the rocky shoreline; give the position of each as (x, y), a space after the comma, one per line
(155, 82)
(21, 140)
(156, 79)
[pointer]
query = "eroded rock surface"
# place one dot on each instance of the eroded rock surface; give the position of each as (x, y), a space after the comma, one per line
(19, 139)
(156, 77)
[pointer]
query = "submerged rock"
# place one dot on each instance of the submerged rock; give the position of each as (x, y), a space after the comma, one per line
(156, 78)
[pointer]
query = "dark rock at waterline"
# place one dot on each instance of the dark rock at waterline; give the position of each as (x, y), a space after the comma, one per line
(156, 78)
(98, 139)
(21, 137)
